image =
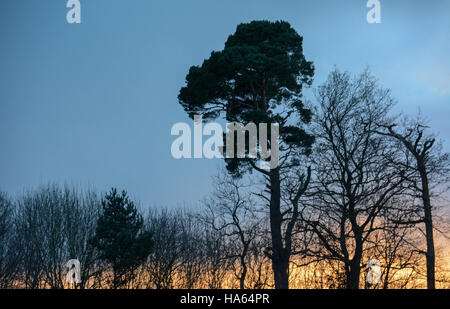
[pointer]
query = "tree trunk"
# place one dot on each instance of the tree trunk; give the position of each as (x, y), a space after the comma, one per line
(280, 260)
(428, 219)
(243, 273)
(355, 264)
(353, 278)
(386, 278)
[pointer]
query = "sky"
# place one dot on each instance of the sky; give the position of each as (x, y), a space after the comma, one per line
(92, 104)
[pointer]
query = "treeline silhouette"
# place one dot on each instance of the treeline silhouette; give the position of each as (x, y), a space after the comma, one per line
(361, 209)
(356, 200)
(45, 228)
(221, 245)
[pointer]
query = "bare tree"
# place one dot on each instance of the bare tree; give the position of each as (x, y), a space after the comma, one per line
(231, 212)
(40, 227)
(162, 265)
(353, 180)
(259, 271)
(394, 246)
(81, 211)
(54, 226)
(191, 260)
(215, 262)
(9, 244)
(430, 168)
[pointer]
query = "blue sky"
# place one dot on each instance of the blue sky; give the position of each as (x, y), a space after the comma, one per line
(92, 104)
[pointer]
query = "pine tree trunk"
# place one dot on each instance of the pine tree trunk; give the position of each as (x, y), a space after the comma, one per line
(280, 262)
